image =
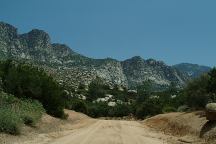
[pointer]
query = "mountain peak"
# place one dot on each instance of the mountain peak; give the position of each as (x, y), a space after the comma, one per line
(154, 62)
(39, 34)
(37, 38)
(3, 24)
(137, 58)
(7, 31)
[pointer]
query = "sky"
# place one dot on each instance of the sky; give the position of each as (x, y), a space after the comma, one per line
(173, 31)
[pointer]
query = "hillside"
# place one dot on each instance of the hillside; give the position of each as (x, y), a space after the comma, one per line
(192, 70)
(71, 68)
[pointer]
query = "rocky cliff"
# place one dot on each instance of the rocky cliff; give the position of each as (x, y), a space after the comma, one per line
(71, 68)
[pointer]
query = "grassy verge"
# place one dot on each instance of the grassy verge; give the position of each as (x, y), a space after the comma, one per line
(15, 112)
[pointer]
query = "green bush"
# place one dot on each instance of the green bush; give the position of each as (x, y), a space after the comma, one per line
(140, 112)
(183, 108)
(98, 109)
(10, 121)
(168, 109)
(119, 110)
(79, 106)
(97, 89)
(148, 108)
(196, 92)
(14, 112)
(144, 91)
(30, 111)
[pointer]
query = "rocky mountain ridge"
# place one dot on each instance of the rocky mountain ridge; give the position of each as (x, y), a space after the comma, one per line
(192, 70)
(71, 68)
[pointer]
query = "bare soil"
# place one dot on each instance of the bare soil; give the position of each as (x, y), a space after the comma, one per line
(190, 127)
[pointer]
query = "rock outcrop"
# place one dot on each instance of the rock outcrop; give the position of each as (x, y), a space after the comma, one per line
(211, 111)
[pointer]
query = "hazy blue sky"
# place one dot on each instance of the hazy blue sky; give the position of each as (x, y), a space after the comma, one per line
(170, 30)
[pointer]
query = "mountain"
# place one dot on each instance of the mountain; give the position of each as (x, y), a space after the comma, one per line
(70, 68)
(138, 70)
(192, 70)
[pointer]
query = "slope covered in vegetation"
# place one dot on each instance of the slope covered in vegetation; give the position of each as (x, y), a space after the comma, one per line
(26, 92)
(15, 112)
(25, 81)
(145, 101)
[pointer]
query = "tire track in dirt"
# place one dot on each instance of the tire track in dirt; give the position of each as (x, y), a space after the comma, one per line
(111, 132)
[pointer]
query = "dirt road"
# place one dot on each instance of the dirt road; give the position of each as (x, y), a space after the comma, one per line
(80, 129)
(111, 132)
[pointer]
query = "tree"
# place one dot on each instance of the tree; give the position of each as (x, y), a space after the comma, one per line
(148, 108)
(212, 81)
(144, 91)
(196, 92)
(96, 89)
(212, 85)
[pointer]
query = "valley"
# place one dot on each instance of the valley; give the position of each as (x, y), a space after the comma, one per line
(116, 102)
(107, 72)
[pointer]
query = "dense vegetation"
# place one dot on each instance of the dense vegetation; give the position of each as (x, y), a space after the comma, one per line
(146, 102)
(201, 90)
(26, 92)
(25, 81)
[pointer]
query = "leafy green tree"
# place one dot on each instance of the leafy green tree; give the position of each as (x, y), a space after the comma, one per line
(96, 89)
(78, 105)
(119, 94)
(148, 108)
(196, 92)
(212, 85)
(119, 110)
(144, 91)
(98, 109)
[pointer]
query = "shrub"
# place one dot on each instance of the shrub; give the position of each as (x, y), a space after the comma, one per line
(212, 81)
(148, 108)
(28, 120)
(14, 112)
(140, 112)
(168, 109)
(119, 110)
(1, 85)
(30, 111)
(78, 105)
(144, 91)
(93, 111)
(97, 89)
(98, 109)
(10, 122)
(196, 92)
(183, 108)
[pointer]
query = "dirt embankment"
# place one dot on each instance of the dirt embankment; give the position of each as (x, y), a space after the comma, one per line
(47, 129)
(184, 125)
